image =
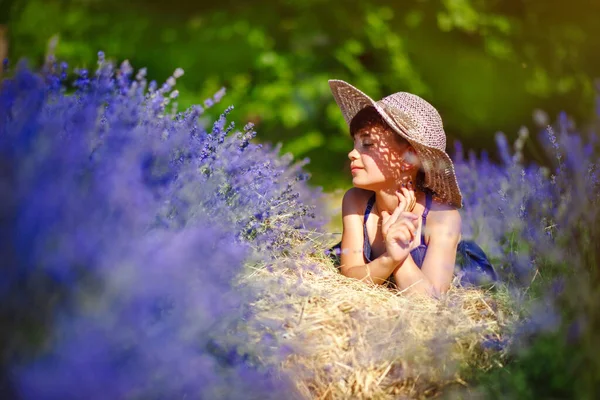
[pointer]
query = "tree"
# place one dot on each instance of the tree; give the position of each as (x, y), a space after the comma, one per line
(485, 65)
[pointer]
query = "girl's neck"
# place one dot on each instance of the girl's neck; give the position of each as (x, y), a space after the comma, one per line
(386, 200)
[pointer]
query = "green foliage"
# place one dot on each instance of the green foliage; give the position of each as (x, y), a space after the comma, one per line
(485, 65)
(558, 362)
(527, 375)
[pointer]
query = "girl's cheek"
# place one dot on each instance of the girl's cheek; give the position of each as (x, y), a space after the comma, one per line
(366, 158)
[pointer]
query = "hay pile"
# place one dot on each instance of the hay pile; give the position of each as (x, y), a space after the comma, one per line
(349, 339)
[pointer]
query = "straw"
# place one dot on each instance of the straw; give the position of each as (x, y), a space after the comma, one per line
(356, 340)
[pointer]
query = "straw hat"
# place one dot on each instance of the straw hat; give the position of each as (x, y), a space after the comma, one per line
(419, 123)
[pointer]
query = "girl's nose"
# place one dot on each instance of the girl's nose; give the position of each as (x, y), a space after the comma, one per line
(353, 155)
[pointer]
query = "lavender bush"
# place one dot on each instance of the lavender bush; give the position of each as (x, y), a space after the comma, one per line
(541, 225)
(526, 215)
(124, 226)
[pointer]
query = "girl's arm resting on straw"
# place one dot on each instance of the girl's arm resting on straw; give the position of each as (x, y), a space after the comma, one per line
(354, 264)
(377, 271)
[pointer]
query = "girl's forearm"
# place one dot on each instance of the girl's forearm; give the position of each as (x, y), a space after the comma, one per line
(411, 278)
(377, 271)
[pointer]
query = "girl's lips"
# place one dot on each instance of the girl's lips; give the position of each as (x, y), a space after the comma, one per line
(354, 169)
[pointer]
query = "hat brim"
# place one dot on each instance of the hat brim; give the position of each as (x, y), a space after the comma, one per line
(439, 169)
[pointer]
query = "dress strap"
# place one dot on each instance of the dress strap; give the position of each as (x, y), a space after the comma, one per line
(428, 199)
(367, 243)
(370, 205)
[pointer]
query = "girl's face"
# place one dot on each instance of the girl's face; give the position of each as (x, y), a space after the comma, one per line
(378, 158)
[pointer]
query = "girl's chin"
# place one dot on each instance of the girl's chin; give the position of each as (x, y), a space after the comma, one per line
(373, 186)
(361, 184)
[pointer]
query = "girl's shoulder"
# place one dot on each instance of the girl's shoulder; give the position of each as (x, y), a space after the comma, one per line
(437, 204)
(355, 200)
(442, 213)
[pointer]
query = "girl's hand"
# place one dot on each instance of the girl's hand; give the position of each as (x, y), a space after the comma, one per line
(399, 229)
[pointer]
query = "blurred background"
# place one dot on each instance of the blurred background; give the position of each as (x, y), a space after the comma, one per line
(486, 65)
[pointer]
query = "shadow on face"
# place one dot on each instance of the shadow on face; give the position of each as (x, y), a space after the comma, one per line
(392, 154)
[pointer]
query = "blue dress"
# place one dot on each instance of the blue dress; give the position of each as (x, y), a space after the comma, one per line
(470, 258)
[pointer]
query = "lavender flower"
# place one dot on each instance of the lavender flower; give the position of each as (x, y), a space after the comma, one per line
(124, 226)
(166, 298)
(540, 225)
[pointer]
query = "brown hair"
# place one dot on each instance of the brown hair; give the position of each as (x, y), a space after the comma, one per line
(366, 118)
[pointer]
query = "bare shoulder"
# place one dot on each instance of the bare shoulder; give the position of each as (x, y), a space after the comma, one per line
(355, 200)
(445, 216)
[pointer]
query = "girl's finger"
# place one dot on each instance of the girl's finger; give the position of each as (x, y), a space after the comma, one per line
(394, 217)
(410, 216)
(402, 200)
(413, 200)
(385, 226)
(385, 217)
(405, 224)
(410, 221)
(405, 194)
(400, 234)
(401, 196)
(406, 237)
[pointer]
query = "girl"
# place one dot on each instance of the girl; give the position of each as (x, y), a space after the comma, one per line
(401, 219)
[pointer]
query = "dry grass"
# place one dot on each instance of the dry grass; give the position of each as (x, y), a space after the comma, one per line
(354, 340)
